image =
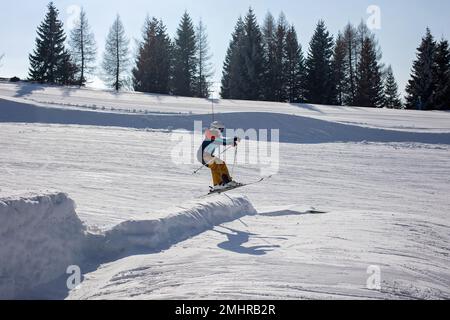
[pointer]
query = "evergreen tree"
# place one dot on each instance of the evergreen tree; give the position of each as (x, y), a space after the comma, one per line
(185, 59)
(270, 47)
(152, 70)
(441, 75)
(232, 73)
(83, 48)
(340, 71)
(318, 66)
(280, 59)
(116, 56)
(252, 66)
(67, 70)
(420, 87)
(369, 92)
(50, 61)
(391, 96)
(204, 69)
(295, 68)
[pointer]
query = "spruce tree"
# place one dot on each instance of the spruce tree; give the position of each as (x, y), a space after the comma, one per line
(252, 66)
(270, 46)
(295, 68)
(340, 70)
(67, 70)
(318, 66)
(204, 68)
(232, 68)
(185, 59)
(391, 96)
(369, 92)
(152, 70)
(441, 76)
(420, 87)
(252, 63)
(83, 48)
(116, 56)
(244, 67)
(280, 59)
(50, 62)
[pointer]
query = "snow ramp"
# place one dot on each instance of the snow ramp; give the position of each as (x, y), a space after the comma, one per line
(41, 236)
(159, 234)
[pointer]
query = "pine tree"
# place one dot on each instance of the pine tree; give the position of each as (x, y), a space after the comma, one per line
(369, 92)
(280, 59)
(318, 66)
(83, 48)
(185, 59)
(295, 68)
(252, 66)
(269, 47)
(152, 70)
(67, 70)
(116, 56)
(232, 68)
(50, 61)
(340, 68)
(441, 76)
(204, 68)
(420, 87)
(391, 96)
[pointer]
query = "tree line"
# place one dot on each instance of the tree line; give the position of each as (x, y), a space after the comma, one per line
(180, 66)
(262, 63)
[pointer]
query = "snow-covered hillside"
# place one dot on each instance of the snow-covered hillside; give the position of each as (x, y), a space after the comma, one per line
(150, 104)
(378, 180)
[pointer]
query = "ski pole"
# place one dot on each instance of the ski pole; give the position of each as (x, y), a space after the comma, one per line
(235, 161)
(212, 160)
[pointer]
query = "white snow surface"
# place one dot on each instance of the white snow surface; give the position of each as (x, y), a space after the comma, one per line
(379, 180)
(40, 237)
(151, 104)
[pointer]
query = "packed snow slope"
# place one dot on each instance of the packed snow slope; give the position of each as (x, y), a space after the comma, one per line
(385, 204)
(379, 181)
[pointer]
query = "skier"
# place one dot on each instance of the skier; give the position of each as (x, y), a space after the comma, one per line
(213, 139)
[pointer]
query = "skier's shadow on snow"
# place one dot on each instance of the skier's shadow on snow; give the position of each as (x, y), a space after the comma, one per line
(236, 240)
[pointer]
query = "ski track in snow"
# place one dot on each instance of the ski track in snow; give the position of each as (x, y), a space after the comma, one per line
(386, 204)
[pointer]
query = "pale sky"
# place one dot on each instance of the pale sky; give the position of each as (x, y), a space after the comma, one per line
(403, 23)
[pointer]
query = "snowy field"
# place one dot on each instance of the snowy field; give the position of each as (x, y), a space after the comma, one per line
(380, 195)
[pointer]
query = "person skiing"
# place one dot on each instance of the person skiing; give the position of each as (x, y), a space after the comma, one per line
(219, 170)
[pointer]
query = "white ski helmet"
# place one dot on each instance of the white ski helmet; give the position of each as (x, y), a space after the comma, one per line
(217, 125)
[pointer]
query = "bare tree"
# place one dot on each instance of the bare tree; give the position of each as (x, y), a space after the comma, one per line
(1, 58)
(116, 56)
(204, 70)
(83, 48)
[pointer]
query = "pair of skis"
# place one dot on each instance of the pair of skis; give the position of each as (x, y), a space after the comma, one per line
(240, 185)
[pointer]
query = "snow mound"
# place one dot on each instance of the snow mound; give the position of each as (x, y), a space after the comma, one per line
(161, 233)
(40, 236)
